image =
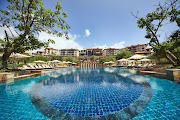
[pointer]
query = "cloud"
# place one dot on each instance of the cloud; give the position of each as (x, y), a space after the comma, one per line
(116, 45)
(87, 33)
(60, 42)
(2, 33)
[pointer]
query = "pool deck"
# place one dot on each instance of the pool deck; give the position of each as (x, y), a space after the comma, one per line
(170, 74)
(18, 75)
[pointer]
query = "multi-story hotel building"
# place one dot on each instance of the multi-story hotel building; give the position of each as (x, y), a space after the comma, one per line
(51, 51)
(91, 51)
(42, 52)
(61, 52)
(110, 51)
(69, 52)
(139, 49)
(135, 49)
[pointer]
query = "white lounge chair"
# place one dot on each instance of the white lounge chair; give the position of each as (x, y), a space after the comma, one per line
(25, 67)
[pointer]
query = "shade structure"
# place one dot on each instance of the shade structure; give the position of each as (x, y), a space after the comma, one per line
(39, 61)
(18, 55)
(121, 60)
(57, 61)
(137, 57)
(106, 62)
(68, 62)
(50, 61)
(74, 63)
(131, 61)
(111, 62)
(145, 60)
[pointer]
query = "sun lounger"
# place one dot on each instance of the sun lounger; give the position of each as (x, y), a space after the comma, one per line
(129, 66)
(25, 67)
(145, 65)
(138, 66)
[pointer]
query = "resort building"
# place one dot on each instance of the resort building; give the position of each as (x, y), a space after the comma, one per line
(51, 51)
(82, 52)
(91, 51)
(135, 49)
(42, 52)
(110, 51)
(69, 52)
(139, 49)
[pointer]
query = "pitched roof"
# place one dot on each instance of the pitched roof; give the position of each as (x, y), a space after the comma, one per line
(136, 45)
(41, 51)
(51, 48)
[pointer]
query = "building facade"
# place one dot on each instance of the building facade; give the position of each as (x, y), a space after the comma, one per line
(91, 51)
(51, 51)
(139, 49)
(69, 52)
(135, 49)
(110, 52)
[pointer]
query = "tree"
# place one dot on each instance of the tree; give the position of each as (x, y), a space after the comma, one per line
(85, 57)
(93, 57)
(123, 53)
(110, 58)
(69, 58)
(28, 18)
(102, 60)
(154, 21)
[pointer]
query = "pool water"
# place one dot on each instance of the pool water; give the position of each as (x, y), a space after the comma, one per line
(96, 93)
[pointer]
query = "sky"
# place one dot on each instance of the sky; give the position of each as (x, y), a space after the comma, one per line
(101, 23)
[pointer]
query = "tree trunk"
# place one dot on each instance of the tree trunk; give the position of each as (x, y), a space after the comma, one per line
(172, 58)
(175, 59)
(5, 58)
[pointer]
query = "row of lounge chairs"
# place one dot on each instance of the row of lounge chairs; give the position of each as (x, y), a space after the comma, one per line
(146, 65)
(30, 66)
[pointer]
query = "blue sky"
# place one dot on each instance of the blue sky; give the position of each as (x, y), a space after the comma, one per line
(103, 23)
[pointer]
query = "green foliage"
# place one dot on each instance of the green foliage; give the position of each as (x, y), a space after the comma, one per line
(110, 58)
(43, 58)
(123, 53)
(93, 57)
(102, 60)
(152, 24)
(85, 57)
(60, 58)
(28, 18)
(153, 21)
(10, 70)
(69, 58)
(76, 61)
(156, 56)
(107, 59)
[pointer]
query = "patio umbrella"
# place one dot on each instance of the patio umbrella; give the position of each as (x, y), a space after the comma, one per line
(74, 63)
(39, 61)
(106, 62)
(17, 55)
(57, 61)
(136, 57)
(145, 60)
(68, 62)
(111, 62)
(122, 60)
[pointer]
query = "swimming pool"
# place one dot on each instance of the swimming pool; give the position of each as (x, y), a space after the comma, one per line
(96, 93)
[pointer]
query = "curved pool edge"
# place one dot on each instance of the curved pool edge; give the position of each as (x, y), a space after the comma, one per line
(139, 105)
(127, 113)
